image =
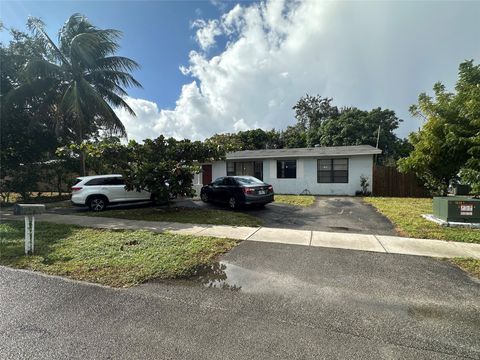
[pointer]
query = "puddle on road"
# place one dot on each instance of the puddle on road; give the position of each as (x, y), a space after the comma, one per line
(227, 276)
(215, 276)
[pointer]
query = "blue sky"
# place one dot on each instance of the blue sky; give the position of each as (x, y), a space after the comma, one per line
(213, 66)
(157, 34)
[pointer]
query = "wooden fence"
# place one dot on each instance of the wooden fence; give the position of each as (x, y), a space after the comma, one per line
(388, 181)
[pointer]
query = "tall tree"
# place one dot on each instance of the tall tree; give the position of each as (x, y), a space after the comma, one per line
(163, 166)
(449, 140)
(294, 137)
(311, 112)
(26, 138)
(359, 127)
(321, 122)
(255, 139)
(83, 76)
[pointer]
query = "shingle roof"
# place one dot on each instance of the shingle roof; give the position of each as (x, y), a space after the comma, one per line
(321, 151)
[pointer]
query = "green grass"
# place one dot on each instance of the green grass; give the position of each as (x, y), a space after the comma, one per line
(183, 215)
(295, 200)
(470, 265)
(114, 258)
(405, 214)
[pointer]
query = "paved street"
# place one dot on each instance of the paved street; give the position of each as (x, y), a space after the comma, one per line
(262, 301)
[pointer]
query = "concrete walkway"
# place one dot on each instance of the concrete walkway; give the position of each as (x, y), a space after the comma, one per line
(361, 242)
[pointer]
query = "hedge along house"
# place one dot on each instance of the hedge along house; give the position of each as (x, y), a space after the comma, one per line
(319, 170)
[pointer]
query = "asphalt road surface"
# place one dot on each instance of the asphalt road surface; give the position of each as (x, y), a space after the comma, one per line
(328, 213)
(262, 301)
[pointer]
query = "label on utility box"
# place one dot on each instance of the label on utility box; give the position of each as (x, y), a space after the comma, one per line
(466, 209)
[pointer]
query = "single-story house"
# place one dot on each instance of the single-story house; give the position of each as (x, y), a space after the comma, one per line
(317, 170)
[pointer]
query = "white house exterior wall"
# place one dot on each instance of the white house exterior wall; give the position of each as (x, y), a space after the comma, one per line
(307, 176)
(219, 168)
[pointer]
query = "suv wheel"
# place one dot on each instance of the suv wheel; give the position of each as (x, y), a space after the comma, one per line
(97, 203)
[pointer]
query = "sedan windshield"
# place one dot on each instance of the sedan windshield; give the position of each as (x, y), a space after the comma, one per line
(248, 180)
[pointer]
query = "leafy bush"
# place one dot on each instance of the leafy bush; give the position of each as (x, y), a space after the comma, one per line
(364, 184)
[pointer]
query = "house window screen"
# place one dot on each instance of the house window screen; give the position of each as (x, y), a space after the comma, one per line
(258, 169)
(332, 170)
(246, 168)
(286, 169)
(230, 168)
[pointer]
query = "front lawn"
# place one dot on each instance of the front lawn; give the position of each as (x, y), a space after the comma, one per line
(295, 200)
(183, 215)
(470, 265)
(405, 214)
(114, 258)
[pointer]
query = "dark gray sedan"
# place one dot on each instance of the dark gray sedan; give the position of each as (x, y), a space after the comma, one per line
(237, 191)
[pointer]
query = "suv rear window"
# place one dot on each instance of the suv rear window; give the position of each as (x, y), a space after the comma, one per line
(116, 181)
(98, 181)
(106, 181)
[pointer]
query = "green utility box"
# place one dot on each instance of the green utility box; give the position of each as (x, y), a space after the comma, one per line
(457, 208)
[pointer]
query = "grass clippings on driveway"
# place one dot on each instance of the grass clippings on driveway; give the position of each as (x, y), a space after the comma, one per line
(295, 200)
(114, 258)
(182, 215)
(406, 215)
(472, 266)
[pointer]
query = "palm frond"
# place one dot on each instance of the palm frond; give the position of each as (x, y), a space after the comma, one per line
(40, 87)
(117, 77)
(71, 105)
(114, 99)
(106, 117)
(75, 24)
(38, 27)
(87, 48)
(107, 84)
(42, 68)
(118, 63)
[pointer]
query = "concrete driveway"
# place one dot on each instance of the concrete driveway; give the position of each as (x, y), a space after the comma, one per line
(262, 301)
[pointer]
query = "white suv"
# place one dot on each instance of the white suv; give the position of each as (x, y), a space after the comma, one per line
(98, 191)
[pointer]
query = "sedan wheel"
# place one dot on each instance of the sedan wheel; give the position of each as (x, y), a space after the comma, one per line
(204, 197)
(232, 202)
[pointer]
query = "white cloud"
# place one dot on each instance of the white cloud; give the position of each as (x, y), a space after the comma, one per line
(206, 33)
(361, 54)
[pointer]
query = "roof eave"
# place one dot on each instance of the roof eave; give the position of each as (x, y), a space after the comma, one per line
(299, 156)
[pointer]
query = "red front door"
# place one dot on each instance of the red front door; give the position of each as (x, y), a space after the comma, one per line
(206, 174)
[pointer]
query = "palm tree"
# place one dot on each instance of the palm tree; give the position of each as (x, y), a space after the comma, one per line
(83, 78)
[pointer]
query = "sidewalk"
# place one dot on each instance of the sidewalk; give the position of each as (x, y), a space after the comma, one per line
(361, 242)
